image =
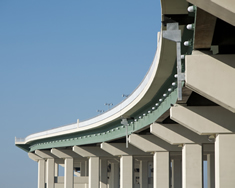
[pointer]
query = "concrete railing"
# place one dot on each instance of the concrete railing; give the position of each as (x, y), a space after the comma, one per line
(110, 113)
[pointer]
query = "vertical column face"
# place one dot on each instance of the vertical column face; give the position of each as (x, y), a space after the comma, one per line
(68, 173)
(94, 172)
(224, 161)
(161, 170)
(143, 170)
(192, 166)
(41, 174)
(126, 172)
(176, 173)
(50, 173)
(103, 173)
(82, 169)
(56, 170)
(210, 171)
(114, 176)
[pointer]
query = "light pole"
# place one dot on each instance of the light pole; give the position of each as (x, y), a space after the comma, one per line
(108, 104)
(100, 111)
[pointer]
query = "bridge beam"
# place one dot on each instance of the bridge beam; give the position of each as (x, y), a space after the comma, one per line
(176, 134)
(224, 10)
(88, 151)
(151, 143)
(204, 120)
(212, 76)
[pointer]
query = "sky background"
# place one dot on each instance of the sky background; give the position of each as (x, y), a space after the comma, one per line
(61, 61)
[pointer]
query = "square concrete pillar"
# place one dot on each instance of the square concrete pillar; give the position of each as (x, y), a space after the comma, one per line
(94, 172)
(161, 170)
(41, 173)
(50, 179)
(56, 170)
(192, 166)
(225, 161)
(210, 171)
(82, 168)
(126, 172)
(143, 170)
(114, 176)
(176, 173)
(68, 173)
(103, 173)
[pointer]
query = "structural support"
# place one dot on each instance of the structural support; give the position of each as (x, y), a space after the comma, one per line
(103, 173)
(83, 168)
(41, 173)
(210, 171)
(50, 179)
(176, 164)
(224, 161)
(56, 170)
(174, 34)
(161, 172)
(204, 70)
(143, 170)
(114, 176)
(126, 172)
(207, 119)
(68, 173)
(192, 166)
(94, 172)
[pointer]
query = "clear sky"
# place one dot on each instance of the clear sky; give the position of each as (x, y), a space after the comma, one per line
(61, 61)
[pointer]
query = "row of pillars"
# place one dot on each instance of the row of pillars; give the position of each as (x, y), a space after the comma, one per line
(176, 171)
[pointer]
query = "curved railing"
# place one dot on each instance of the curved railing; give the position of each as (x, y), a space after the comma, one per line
(110, 113)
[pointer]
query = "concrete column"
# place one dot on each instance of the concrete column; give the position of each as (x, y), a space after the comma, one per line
(56, 170)
(41, 173)
(224, 161)
(192, 166)
(161, 170)
(114, 176)
(176, 173)
(126, 172)
(103, 173)
(82, 168)
(210, 171)
(86, 168)
(68, 173)
(94, 172)
(50, 173)
(143, 170)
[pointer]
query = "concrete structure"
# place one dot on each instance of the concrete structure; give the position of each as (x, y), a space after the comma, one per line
(152, 139)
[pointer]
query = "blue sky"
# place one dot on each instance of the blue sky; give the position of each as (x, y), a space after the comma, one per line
(61, 61)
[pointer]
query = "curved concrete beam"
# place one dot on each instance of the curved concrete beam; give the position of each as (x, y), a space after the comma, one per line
(204, 120)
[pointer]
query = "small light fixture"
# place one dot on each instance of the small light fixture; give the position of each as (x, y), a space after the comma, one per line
(191, 8)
